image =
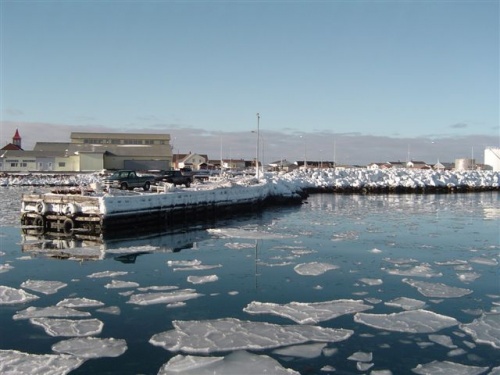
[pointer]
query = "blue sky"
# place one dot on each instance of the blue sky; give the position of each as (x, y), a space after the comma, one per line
(374, 79)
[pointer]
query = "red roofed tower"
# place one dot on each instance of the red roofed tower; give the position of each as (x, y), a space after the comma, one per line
(16, 140)
(16, 143)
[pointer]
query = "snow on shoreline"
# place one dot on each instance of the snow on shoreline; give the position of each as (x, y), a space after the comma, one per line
(309, 179)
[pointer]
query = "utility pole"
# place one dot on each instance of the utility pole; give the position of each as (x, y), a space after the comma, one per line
(257, 175)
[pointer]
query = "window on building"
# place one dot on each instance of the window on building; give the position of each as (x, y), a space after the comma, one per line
(24, 165)
(13, 165)
(62, 164)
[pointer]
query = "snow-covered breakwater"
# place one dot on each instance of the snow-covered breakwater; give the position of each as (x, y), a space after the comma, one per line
(393, 180)
(335, 180)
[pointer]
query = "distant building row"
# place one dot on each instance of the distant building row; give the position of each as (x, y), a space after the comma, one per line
(88, 152)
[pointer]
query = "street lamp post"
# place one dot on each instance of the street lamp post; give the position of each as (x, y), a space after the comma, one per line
(257, 175)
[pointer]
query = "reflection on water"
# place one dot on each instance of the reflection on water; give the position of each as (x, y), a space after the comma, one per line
(343, 284)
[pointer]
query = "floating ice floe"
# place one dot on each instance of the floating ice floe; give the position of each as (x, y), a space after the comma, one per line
(163, 297)
(361, 357)
(484, 261)
(157, 288)
(414, 321)
(371, 282)
(220, 335)
(12, 296)
(191, 265)
(443, 340)
(302, 351)
(5, 267)
(43, 286)
(118, 284)
(69, 327)
(314, 268)
(437, 290)
(107, 274)
(239, 245)
(422, 270)
(239, 362)
(406, 303)
(202, 279)
(446, 367)
(113, 310)
(308, 313)
(468, 277)
(91, 347)
(247, 234)
(14, 362)
(485, 329)
(80, 302)
(49, 312)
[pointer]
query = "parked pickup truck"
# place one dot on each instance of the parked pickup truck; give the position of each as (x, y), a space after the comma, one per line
(128, 180)
(174, 177)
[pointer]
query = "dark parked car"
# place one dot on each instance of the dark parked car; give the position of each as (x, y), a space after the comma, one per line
(174, 177)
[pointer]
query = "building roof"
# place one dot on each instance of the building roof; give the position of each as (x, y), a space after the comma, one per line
(11, 146)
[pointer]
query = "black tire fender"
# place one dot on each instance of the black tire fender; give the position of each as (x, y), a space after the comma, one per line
(40, 223)
(68, 226)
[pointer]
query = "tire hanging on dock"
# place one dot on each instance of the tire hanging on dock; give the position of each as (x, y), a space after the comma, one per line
(68, 226)
(41, 207)
(39, 222)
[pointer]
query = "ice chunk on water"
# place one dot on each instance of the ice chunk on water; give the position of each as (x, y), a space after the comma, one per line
(484, 261)
(91, 347)
(240, 362)
(118, 284)
(422, 270)
(164, 297)
(51, 311)
(239, 245)
(80, 302)
(69, 327)
(406, 303)
(202, 279)
(485, 330)
(12, 296)
(16, 362)
(445, 367)
(314, 268)
(371, 282)
(107, 274)
(184, 263)
(308, 313)
(302, 351)
(442, 340)
(437, 290)
(361, 357)
(157, 288)
(219, 335)
(113, 310)
(468, 277)
(43, 286)
(415, 321)
(5, 267)
(247, 234)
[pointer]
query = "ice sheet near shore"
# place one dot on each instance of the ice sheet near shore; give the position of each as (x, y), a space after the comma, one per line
(221, 335)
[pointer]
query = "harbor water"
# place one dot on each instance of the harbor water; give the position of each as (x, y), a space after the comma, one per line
(342, 284)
